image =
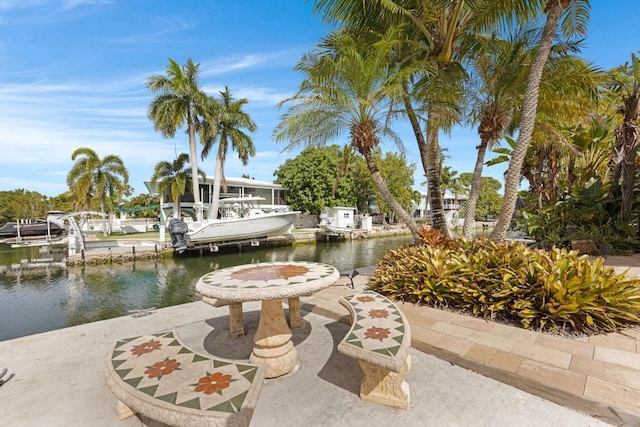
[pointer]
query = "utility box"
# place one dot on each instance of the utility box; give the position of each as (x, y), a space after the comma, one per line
(366, 222)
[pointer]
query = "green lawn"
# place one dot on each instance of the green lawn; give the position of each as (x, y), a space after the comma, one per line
(150, 235)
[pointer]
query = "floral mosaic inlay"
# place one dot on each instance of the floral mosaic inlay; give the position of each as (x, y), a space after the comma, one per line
(378, 314)
(266, 278)
(269, 272)
(146, 347)
(376, 333)
(150, 365)
(213, 383)
(165, 367)
(378, 326)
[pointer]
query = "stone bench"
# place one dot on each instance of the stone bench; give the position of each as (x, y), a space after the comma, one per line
(236, 323)
(159, 377)
(380, 338)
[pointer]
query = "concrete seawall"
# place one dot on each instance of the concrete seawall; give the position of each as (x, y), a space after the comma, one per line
(128, 250)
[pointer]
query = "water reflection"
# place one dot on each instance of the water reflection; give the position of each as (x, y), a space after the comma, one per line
(33, 301)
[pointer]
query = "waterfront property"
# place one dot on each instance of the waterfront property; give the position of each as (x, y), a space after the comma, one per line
(274, 195)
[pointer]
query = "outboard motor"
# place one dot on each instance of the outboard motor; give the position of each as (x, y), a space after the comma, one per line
(178, 231)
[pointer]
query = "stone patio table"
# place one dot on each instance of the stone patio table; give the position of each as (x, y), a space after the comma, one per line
(270, 283)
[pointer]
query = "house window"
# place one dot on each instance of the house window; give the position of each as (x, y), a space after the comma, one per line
(205, 192)
(279, 197)
(261, 192)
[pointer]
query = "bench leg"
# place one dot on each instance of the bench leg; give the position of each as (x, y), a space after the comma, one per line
(236, 327)
(295, 320)
(124, 411)
(385, 387)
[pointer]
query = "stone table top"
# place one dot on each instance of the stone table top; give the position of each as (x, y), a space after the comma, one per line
(267, 280)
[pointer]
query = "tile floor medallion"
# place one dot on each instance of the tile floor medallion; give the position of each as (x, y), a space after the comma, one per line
(378, 326)
(148, 364)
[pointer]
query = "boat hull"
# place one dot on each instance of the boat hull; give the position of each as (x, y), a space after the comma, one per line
(329, 229)
(32, 229)
(225, 230)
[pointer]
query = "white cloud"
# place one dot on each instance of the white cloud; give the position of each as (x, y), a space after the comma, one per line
(262, 96)
(6, 5)
(169, 26)
(72, 4)
(47, 187)
(247, 62)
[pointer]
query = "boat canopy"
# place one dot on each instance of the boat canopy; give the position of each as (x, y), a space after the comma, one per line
(242, 199)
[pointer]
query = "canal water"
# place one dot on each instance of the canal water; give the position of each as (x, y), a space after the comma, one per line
(42, 299)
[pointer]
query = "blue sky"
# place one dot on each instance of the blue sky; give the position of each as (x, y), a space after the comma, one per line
(72, 74)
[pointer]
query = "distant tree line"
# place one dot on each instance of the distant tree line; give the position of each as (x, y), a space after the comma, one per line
(329, 176)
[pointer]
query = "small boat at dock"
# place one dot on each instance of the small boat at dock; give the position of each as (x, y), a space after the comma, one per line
(340, 221)
(241, 220)
(51, 226)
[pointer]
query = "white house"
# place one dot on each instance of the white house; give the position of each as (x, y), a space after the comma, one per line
(452, 206)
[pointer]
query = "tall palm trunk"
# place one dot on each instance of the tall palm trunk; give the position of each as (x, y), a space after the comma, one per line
(387, 196)
(432, 169)
(217, 183)
(176, 207)
(474, 193)
(429, 153)
(553, 11)
(628, 134)
(538, 183)
(417, 131)
(104, 213)
(194, 170)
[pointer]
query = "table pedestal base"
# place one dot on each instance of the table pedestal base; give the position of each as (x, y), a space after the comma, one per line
(272, 343)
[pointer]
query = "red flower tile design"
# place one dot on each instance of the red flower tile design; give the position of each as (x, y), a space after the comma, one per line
(213, 383)
(146, 347)
(365, 299)
(269, 272)
(378, 314)
(376, 333)
(164, 367)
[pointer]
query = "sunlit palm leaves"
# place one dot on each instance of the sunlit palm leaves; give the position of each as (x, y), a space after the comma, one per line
(350, 86)
(229, 124)
(180, 102)
(92, 176)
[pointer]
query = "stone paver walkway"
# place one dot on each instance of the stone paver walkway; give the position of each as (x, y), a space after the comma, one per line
(598, 375)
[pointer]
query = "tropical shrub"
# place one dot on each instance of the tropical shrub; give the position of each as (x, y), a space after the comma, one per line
(537, 289)
(583, 214)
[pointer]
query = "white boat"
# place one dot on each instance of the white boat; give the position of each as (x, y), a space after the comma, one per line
(241, 220)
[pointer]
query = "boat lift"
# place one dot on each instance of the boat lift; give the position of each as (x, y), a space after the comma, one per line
(21, 242)
(215, 247)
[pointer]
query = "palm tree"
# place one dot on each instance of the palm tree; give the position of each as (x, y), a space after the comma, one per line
(438, 34)
(173, 177)
(92, 177)
(624, 86)
(229, 119)
(350, 86)
(180, 102)
(553, 11)
(498, 74)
